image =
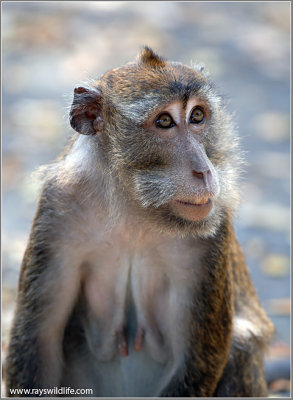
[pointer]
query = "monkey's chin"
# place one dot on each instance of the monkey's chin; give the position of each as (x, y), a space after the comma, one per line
(192, 210)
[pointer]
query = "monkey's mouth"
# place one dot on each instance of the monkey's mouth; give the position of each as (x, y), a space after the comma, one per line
(192, 210)
(200, 202)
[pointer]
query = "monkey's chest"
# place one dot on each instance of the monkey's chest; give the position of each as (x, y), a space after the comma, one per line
(137, 321)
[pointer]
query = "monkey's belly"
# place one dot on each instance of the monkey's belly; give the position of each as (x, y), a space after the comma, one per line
(135, 328)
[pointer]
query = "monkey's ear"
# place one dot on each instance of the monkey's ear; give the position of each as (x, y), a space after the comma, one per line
(86, 111)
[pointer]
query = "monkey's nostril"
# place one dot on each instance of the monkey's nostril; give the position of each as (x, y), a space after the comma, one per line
(199, 175)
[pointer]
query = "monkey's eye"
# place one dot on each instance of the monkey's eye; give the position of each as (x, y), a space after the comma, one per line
(197, 116)
(164, 121)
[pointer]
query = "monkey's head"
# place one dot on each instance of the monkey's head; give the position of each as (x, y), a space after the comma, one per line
(166, 136)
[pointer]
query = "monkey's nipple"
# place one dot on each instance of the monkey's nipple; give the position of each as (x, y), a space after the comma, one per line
(122, 342)
(138, 340)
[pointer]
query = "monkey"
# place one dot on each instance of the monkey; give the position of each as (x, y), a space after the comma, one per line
(133, 282)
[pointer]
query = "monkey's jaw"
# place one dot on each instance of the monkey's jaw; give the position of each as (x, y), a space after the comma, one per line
(192, 210)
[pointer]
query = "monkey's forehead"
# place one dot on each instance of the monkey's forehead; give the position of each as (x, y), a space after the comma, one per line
(134, 82)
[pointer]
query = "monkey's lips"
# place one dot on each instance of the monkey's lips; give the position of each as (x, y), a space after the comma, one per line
(192, 209)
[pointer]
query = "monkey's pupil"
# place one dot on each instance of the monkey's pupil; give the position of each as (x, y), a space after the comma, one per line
(164, 121)
(196, 116)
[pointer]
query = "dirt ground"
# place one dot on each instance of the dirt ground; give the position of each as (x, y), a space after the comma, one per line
(49, 47)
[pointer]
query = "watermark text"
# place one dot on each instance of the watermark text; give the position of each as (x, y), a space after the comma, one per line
(64, 390)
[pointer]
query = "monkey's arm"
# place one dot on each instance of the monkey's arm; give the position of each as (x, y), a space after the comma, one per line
(48, 286)
(229, 330)
(243, 375)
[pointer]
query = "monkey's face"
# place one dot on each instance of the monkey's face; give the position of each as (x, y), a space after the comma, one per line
(169, 140)
(179, 128)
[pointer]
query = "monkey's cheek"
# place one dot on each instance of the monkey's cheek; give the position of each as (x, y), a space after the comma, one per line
(191, 212)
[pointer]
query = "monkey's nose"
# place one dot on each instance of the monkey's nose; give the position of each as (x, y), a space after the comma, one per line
(200, 175)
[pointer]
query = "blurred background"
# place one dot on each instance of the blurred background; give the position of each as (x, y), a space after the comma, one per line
(49, 47)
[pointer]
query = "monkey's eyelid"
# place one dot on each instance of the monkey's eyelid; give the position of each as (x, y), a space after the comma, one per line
(165, 127)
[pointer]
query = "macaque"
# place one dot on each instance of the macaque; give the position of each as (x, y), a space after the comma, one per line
(133, 283)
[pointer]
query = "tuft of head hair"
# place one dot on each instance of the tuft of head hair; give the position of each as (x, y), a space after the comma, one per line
(149, 58)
